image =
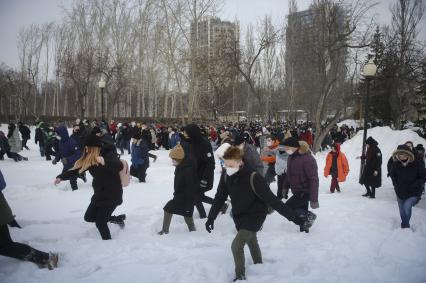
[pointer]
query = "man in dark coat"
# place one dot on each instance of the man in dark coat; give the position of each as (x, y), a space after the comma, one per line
(371, 176)
(250, 196)
(201, 153)
(185, 187)
(408, 177)
(25, 133)
(301, 177)
(68, 153)
(40, 138)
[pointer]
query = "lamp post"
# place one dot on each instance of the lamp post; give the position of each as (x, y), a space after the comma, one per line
(369, 72)
(101, 85)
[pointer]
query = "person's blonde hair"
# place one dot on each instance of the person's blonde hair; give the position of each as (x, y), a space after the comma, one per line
(88, 158)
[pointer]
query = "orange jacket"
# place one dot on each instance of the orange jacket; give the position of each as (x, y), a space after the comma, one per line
(342, 166)
(270, 159)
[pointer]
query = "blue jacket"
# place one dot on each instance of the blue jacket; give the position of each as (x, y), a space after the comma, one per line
(174, 140)
(2, 182)
(140, 154)
(68, 149)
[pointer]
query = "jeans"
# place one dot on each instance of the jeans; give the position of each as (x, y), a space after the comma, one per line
(405, 206)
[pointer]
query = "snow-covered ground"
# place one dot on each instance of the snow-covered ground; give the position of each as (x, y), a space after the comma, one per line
(353, 240)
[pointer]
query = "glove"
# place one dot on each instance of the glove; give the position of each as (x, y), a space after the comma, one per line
(54, 161)
(314, 204)
(209, 225)
(285, 194)
(203, 184)
(15, 224)
(64, 160)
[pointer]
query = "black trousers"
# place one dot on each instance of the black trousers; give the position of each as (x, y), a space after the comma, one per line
(100, 215)
(24, 143)
(280, 182)
(139, 172)
(20, 251)
(299, 202)
(199, 203)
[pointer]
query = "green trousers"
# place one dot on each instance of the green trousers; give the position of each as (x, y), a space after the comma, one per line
(168, 219)
(242, 238)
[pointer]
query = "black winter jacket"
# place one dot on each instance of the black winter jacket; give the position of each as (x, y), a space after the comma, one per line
(408, 180)
(201, 153)
(106, 183)
(249, 207)
(373, 163)
(185, 187)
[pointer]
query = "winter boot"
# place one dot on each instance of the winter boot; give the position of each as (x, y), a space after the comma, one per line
(373, 193)
(52, 262)
(190, 223)
(238, 278)
(309, 221)
(166, 223)
(119, 220)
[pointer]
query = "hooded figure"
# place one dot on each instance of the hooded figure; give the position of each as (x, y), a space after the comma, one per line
(408, 176)
(14, 139)
(337, 166)
(68, 152)
(371, 176)
(199, 150)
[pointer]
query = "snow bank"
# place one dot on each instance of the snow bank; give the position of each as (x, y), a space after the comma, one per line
(349, 123)
(354, 239)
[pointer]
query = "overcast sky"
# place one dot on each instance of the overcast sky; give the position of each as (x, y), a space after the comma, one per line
(15, 14)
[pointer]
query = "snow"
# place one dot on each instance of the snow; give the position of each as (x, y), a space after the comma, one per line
(353, 240)
(349, 123)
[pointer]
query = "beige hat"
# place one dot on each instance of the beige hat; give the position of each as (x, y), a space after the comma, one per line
(177, 153)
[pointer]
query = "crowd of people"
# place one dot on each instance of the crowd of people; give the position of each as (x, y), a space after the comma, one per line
(252, 156)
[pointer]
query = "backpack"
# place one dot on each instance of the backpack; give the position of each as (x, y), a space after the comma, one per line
(125, 174)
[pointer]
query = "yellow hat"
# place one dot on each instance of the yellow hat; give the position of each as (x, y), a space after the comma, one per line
(177, 153)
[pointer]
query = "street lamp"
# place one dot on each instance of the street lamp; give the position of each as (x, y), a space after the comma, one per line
(101, 85)
(369, 72)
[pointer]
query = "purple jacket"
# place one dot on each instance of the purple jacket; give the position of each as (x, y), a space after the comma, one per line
(302, 172)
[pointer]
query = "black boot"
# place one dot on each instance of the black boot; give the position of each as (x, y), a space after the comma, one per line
(119, 220)
(240, 277)
(373, 193)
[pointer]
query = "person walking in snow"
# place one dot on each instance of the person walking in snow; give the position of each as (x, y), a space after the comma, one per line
(371, 176)
(68, 153)
(140, 158)
(17, 250)
(337, 166)
(250, 196)
(268, 157)
(301, 177)
(108, 191)
(408, 176)
(199, 150)
(185, 188)
(281, 168)
(15, 143)
(25, 133)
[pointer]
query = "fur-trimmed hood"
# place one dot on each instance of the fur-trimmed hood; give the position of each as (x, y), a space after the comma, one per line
(304, 147)
(403, 150)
